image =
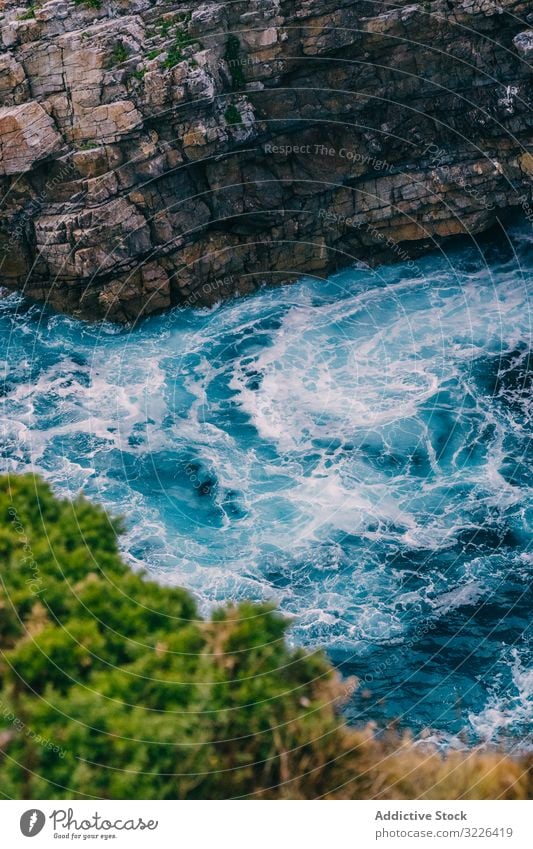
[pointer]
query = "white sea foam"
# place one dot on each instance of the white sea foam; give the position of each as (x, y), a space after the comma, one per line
(355, 459)
(508, 708)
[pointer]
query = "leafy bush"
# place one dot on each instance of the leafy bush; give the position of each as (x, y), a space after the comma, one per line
(27, 15)
(232, 115)
(120, 53)
(175, 51)
(112, 686)
(91, 4)
(165, 27)
(234, 62)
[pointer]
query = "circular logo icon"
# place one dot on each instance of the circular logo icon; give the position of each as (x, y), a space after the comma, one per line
(32, 822)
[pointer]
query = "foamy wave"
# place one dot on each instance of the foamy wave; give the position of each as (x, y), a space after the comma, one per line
(354, 449)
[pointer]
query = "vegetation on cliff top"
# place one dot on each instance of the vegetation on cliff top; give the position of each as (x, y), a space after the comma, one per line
(112, 686)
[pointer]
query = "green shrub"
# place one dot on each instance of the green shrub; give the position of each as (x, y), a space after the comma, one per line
(165, 27)
(120, 53)
(112, 686)
(234, 62)
(232, 115)
(174, 56)
(141, 696)
(91, 4)
(175, 51)
(27, 15)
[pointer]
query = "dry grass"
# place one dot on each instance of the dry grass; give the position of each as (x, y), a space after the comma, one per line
(346, 763)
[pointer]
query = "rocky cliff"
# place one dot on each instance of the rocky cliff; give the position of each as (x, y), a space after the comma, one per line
(155, 153)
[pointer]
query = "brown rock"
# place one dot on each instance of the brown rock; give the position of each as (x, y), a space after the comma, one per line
(170, 164)
(27, 136)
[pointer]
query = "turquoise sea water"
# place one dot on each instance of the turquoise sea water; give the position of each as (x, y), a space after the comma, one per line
(355, 449)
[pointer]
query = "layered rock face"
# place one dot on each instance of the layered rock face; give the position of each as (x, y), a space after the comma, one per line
(156, 153)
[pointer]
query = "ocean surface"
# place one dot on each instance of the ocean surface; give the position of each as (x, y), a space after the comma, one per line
(355, 449)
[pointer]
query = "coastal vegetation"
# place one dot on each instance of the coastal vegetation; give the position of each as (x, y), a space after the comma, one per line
(113, 686)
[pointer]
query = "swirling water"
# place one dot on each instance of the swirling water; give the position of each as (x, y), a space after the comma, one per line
(355, 449)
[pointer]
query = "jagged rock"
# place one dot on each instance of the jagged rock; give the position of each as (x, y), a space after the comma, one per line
(143, 292)
(526, 163)
(180, 153)
(13, 82)
(524, 43)
(208, 17)
(106, 123)
(27, 136)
